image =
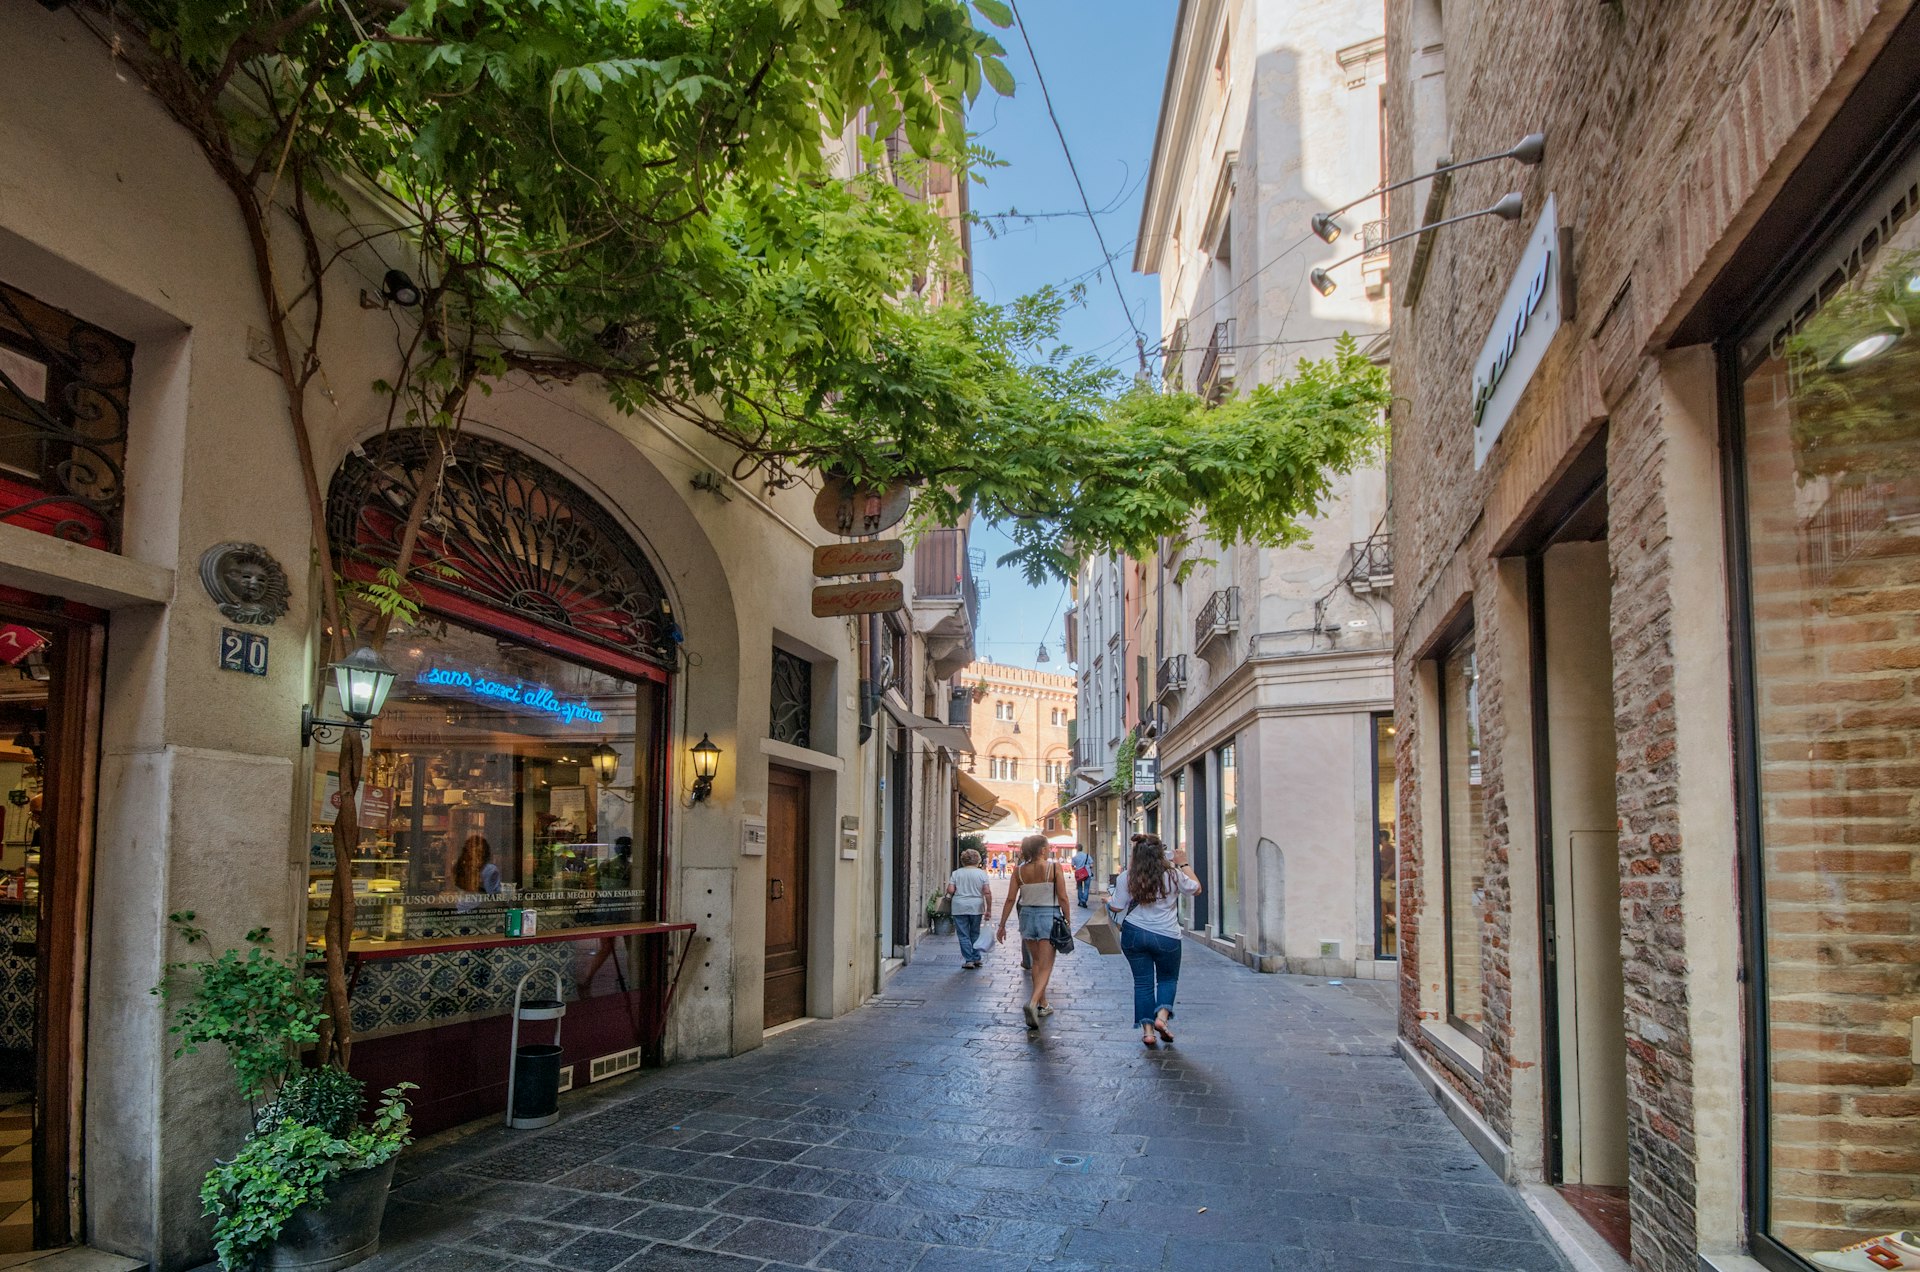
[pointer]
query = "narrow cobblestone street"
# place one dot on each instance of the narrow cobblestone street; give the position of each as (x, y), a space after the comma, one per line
(929, 1131)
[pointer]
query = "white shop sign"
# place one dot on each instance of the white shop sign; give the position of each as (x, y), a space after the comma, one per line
(1522, 330)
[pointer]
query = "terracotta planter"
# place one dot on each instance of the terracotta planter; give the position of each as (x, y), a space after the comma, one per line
(339, 1234)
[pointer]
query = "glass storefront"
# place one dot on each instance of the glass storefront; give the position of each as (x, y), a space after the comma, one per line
(1229, 843)
(508, 792)
(1386, 872)
(1182, 836)
(1831, 401)
(1463, 846)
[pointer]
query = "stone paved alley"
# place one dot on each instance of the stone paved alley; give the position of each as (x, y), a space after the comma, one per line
(929, 1131)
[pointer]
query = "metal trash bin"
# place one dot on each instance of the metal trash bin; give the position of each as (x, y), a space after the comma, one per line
(533, 1071)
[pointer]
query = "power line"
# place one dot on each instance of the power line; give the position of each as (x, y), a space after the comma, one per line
(1139, 337)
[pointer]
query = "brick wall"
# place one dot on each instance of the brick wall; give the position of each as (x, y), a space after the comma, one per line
(1670, 127)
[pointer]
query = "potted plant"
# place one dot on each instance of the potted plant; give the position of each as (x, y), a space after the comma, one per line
(308, 1187)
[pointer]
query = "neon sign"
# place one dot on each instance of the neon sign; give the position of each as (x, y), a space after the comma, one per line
(532, 697)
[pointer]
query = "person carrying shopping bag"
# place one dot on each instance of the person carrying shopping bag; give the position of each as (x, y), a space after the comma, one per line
(1039, 888)
(1145, 901)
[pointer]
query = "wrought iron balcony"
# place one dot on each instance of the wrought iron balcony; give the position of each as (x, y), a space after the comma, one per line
(1215, 380)
(1370, 565)
(1218, 617)
(1172, 676)
(1373, 241)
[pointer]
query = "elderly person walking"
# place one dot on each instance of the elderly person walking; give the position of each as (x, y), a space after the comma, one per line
(972, 897)
(1145, 904)
(1039, 888)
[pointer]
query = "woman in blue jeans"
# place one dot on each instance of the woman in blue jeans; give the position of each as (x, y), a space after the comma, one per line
(1145, 901)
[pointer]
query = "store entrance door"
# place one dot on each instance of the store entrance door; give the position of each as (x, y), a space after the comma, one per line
(46, 669)
(1579, 852)
(787, 870)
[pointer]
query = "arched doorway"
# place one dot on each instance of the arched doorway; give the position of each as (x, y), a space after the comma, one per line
(515, 812)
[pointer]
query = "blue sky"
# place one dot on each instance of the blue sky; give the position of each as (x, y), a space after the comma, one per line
(1104, 62)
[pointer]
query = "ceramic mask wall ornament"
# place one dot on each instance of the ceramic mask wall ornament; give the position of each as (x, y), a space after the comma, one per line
(245, 582)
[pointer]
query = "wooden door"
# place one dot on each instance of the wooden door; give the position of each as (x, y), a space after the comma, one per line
(787, 867)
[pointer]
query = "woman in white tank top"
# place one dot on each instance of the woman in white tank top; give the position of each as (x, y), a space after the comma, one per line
(1039, 888)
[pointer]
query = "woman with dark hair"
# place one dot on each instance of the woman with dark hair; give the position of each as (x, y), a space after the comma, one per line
(1145, 901)
(1039, 888)
(474, 874)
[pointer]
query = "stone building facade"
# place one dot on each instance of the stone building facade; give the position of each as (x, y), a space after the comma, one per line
(162, 733)
(1653, 446)
(1265, 673)
(1022, 723)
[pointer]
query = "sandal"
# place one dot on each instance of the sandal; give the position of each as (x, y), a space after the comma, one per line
(1033, 1017)
(1162, 1030)
(1148, 1040)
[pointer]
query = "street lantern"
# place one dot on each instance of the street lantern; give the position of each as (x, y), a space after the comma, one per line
(706, 763)
(362, 680)
(606, 763)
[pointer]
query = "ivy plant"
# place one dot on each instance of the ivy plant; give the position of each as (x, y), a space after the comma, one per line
(257, 1005)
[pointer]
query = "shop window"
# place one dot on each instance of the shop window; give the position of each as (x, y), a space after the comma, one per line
(792, 700)
(63, 422)
(1386, 874)
(499, 778)
(1463, 837)
(1182, 837)
(1831, 468)
(1229, 788)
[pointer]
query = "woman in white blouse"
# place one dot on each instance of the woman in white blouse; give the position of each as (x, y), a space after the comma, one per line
(1144, 902)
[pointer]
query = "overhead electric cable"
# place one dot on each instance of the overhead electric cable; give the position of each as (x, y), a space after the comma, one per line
(1139, 337)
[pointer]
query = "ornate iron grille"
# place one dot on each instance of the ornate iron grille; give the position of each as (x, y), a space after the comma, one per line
(792, 700)
(516, 536)
(63, 422)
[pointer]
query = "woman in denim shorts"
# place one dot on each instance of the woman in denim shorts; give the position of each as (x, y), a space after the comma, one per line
(1039, 888)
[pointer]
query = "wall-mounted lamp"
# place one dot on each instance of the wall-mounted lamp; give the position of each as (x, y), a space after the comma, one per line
(706, 762)
(363, 680)
(1529, 150)
(606, 763)
(400, 289)
(1508, 209)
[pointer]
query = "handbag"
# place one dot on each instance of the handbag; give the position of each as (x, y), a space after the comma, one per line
(1081, 874)
(1061, 938)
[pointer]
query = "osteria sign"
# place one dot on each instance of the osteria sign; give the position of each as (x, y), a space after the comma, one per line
(1535, 305)
(867, 556)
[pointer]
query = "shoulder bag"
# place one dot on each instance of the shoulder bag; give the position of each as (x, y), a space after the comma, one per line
(1061, 938)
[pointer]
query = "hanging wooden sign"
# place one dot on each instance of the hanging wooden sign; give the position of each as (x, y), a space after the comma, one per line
(846, 509)
(838, 600)
(872, 556)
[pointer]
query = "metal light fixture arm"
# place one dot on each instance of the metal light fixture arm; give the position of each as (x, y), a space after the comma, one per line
(1508, 208)
(1529, 150)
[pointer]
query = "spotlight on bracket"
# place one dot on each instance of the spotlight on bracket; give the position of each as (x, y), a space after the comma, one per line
(1508, 208)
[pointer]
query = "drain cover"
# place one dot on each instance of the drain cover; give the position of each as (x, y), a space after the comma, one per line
(1070, 1161)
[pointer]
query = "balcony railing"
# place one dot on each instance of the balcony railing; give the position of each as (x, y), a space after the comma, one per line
(1370, 565)
(1172, 676)
(1215, 380)
(1218, 617)
(942, 570)
(1373, 240)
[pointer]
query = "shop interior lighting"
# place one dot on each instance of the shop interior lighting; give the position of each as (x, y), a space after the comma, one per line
(606, 763)
(362, 679)
(1866, 348)
(1508, 208)
(706, 763)
(1529, 150)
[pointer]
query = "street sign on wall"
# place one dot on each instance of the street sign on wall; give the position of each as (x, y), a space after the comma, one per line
(839, 600)
(873, 556)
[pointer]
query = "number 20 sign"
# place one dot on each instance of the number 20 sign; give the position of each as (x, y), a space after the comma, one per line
(243, 651)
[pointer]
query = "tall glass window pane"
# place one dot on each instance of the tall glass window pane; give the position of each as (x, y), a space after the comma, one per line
(1463, 848)
(499, 778)
(1832, 407)
(1229, 843)
(1386, 919)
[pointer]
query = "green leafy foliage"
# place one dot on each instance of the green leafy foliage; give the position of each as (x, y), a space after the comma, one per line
(287, 1164)
(327, 1097)
(730, 210)
(1123, 757)
(257, 1005)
